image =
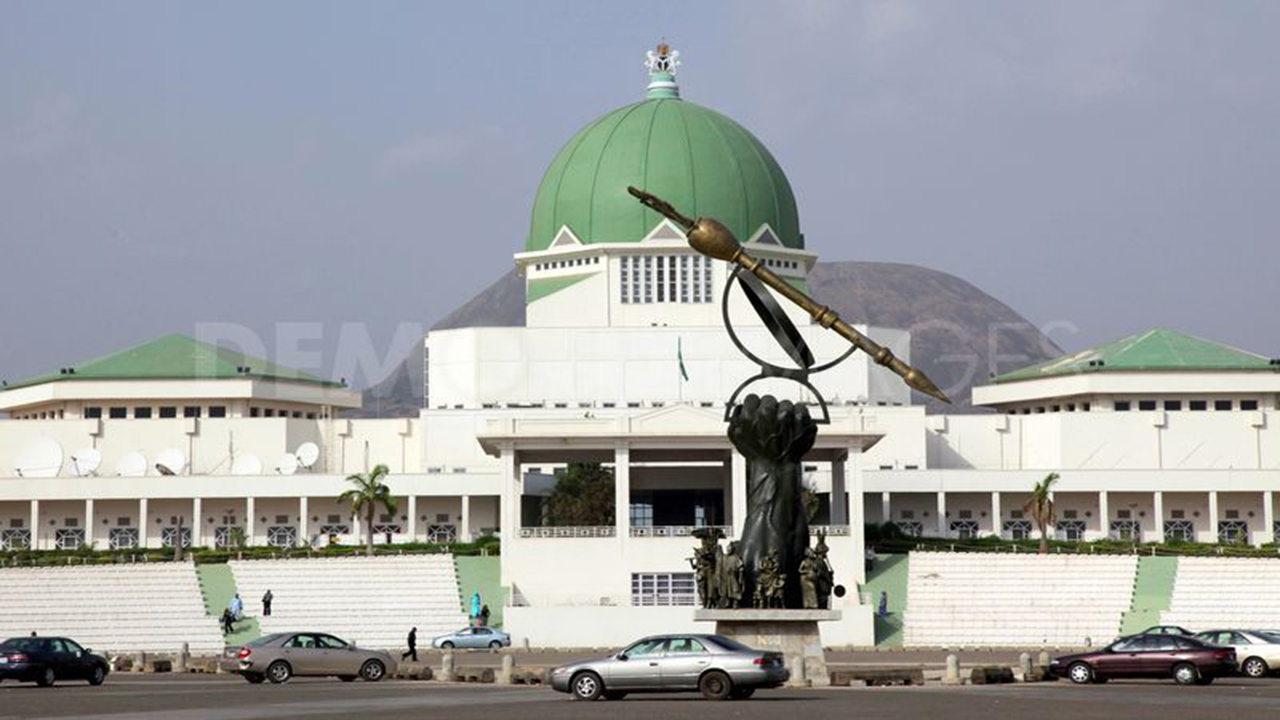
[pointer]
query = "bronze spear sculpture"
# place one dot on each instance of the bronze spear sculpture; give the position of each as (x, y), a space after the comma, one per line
(711, 238)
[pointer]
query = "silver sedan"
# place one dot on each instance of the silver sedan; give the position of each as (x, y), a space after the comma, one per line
(718, 667)
(280, 656)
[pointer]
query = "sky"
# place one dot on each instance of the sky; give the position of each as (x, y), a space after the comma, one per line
(320, 182)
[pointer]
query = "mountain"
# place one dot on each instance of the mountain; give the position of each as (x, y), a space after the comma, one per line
(954, 328)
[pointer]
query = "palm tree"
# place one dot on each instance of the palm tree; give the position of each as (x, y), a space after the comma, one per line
(1041, 509)
(369, 492)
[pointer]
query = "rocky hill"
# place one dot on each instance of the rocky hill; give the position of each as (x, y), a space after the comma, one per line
(954, 328)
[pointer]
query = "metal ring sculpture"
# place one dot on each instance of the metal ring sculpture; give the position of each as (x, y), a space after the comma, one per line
(785, 332)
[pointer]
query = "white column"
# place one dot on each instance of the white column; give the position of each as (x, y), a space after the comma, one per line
(622, 491)
(1268, 517)
(143, 525)
(251, 529)
(738, 478)
(1213, 516)
(508, 514)
(1157, 500)
(839, 497)
(35, 524)
(942, 513)
(886, 508)
(466, 519)
(1104, 515)
(357, 534)
(304, 522)
(88, 522)
(855, 509)
(411, 529)
(197, 523)
(997, 518)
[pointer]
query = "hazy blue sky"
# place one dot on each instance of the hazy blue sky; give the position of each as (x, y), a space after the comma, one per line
(1109, 165)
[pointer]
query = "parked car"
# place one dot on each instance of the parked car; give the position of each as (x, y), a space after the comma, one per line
(1167, 630)
(1185, 659)
(45, 660)
(718, 667)
(1257, 650)
(280, 656)
(473, 637)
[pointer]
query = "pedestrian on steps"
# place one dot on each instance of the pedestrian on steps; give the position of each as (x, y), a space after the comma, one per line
(266, 603)
(228, 621)
(413, 645)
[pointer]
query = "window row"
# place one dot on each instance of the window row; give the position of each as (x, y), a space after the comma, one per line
(1177, 405)
(164, 411)
(574, 262)
(785, 264)
(665, 279)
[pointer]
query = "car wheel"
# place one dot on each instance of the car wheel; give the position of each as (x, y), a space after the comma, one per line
(255, 679)
(446, 645)
(373, 671)
(279, 672)
(615, 695)
(347, 678)
(1185, 674)
(1254, 667)
(587, 686)
(715, 685)
(496, 645)
(1080, 673)
(47, 678)
(98, 675)
(743, 693)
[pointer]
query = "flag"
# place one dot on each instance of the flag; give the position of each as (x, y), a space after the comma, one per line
(684, 374)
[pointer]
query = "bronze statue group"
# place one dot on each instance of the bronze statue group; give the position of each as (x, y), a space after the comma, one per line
(719, 574)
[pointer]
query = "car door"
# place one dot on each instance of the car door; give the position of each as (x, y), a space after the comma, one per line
(66, 666)
(638, 667)
(1122, 660)
(1160, 654)
(683, 662)
(336, 656)
(79, 658)
(302, 654)
(481, 637)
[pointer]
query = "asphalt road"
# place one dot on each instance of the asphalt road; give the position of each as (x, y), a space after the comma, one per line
(228, 698)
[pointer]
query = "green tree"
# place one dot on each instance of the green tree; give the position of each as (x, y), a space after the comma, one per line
(369, 492)
(1041, 509)
(584, 495)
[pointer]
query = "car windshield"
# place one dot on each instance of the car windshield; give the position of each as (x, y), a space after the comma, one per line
(265, 640)
(728, 643)
(20, 645)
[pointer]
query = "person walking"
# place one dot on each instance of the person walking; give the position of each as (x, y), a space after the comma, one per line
(237, 607)
(413, 645)
(228, 621)
(475, 608)
(266, 603)
(884, 603)
(484, 616)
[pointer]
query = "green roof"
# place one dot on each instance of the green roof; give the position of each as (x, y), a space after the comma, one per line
(1158, 349)
(700, 161)
(176, 357)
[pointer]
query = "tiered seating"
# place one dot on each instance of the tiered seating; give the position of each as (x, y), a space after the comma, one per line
(370, 601)
(112, 609)
(1016, 600)
(1211, 593)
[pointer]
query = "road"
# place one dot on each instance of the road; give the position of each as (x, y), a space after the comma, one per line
(214, 697)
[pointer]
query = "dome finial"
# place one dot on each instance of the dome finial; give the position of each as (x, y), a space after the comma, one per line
(662, 64)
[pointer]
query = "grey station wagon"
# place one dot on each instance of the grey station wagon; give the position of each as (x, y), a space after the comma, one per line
(718, 667)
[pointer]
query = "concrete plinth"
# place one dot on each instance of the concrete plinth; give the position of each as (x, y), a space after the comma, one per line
(794, 633)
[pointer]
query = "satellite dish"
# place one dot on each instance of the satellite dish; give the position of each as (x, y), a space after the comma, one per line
(41, 459)
(246, 465)
(171, 461)
(308, 453)
(85, 462)
(132, 464)
(288, 464)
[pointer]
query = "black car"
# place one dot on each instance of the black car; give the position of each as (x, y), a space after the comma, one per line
(45, 660)
(1187, 660)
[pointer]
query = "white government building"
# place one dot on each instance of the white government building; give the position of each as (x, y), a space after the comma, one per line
(624, 361)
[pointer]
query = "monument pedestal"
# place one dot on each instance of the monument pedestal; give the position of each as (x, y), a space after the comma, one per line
(794, 633)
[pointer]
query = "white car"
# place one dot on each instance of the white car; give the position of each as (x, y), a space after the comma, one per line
(1257, 651)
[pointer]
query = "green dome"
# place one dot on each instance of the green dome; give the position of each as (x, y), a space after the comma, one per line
(700, 161)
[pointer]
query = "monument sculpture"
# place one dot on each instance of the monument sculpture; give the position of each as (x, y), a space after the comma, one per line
(772, 566)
